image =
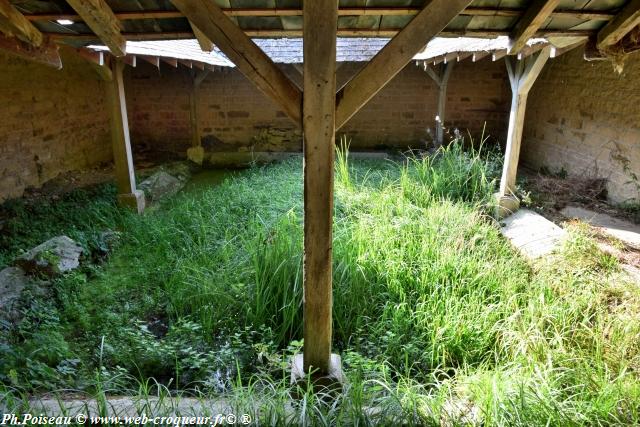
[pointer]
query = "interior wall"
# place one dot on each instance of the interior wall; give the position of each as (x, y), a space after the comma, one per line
(51, 121)
(235, 116)
(583, 118)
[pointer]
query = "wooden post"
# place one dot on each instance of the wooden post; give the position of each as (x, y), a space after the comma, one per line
(128, 195)
(441, 79)
(196, 152)
(522, 75)
(318, 123)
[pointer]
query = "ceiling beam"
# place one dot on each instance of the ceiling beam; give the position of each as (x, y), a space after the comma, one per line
(595, 15)
(98, 16)
(616, 29)
(527, 26)
(395, 55)
(13, 23)
(390, 32)
(47, 53)
(248, 57)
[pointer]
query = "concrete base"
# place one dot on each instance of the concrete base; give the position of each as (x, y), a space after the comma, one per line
(532, 234)
(506, 204)
(196, 155)
(133, 200)
(331, 382)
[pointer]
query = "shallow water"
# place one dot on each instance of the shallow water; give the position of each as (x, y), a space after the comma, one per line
(209, 178)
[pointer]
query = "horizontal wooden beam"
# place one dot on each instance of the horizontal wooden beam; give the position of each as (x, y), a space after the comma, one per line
(535, 16)
(47, 53)
(178, 35)
(13, 23)
(245, 54)
(100, 18)
(346, 11)
(616, 29)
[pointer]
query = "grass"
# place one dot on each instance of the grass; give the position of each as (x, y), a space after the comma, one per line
(436, 317)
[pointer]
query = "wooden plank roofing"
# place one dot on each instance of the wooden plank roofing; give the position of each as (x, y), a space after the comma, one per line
(159, 19)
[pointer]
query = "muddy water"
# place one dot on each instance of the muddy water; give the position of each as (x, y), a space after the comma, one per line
(209, 178)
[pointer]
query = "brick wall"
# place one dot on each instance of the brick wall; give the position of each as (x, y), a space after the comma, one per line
(583, 117)
(50, 122)
(234, 115)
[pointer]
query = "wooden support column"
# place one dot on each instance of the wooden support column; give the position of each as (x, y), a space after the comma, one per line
(128, 195)
(195, 153)
(441, 78)
(318, 123)
(522, 75)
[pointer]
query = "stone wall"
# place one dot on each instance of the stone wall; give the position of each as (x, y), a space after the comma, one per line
(234, 115)
(583, 118)
(51, 121)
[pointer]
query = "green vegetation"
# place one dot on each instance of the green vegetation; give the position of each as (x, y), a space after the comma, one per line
(435, 315)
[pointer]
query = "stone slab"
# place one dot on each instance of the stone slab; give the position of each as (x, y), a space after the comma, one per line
(625, 231)
(532, 234)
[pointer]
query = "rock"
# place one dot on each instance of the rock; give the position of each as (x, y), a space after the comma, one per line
(52, 258)
(13, 281)
(160, 185)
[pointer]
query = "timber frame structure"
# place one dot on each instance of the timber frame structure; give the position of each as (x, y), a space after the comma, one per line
(32, 28)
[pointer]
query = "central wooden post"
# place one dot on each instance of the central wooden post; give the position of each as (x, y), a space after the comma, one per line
(318, 124)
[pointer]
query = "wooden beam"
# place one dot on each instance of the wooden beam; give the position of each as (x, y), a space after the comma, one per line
(588, 15)
(527, 26)
(171, 61)
(320, 23)
(395, 55)
(98, 16)
(206, 45)
(13, 23)
(249, 58)
(522, 75)
(445, 73)
(255, 33)
(47, 53)
(153, 60)
(128, 195)
(625, 21)
(557, 51)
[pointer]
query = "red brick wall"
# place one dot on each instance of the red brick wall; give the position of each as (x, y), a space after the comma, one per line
(234, 115)
(50, 122)
(583, 117)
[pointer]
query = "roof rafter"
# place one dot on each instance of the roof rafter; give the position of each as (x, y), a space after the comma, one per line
(626, 20)
(526, 27)
(100, 18)
(13, 23)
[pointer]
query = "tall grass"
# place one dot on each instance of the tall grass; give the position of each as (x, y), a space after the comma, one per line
(437, 318)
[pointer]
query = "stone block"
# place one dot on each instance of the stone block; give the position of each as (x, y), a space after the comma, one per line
(133, 200)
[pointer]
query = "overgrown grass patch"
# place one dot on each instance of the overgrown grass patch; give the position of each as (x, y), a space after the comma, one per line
(436, 316)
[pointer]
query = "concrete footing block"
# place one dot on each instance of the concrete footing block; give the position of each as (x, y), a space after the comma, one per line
(506, 204)
(133, 200)
(329, 383)
(196, 155)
